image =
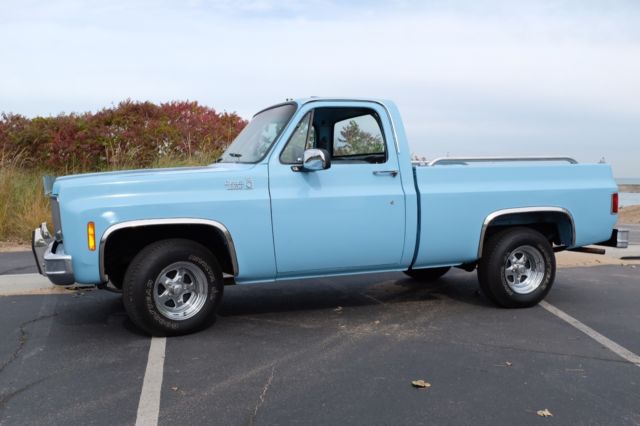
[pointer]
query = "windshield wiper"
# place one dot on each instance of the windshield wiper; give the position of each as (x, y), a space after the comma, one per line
(235, 155)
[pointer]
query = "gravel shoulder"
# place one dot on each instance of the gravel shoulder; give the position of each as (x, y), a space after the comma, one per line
(629, 215)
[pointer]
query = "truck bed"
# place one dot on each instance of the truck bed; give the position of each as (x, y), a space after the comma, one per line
(456, 199)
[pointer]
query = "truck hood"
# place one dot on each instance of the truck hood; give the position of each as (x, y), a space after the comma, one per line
(117, 181)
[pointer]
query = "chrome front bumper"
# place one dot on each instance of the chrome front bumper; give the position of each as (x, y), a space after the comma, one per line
(50, 257)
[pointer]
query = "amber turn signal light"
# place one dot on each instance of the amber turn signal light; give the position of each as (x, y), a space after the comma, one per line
(91, 235)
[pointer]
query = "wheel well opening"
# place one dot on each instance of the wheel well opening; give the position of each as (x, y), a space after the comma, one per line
(557, 227)
(123, 244)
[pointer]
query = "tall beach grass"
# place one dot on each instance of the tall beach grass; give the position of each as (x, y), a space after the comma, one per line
(23, 205)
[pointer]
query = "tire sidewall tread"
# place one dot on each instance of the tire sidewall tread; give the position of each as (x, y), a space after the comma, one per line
(140, 278)
(490, 268)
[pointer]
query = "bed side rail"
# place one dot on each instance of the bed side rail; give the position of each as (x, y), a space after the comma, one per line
(465, 160)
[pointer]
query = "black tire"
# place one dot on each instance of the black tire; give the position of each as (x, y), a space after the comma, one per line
(523, 287)
(201, 276)
(427, 274)
(116, 282)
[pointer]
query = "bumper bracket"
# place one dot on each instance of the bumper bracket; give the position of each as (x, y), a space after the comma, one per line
(51, 259)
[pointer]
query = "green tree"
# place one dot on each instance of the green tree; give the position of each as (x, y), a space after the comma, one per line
(355, 141)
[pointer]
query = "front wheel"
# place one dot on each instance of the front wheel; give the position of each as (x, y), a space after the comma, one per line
(172, 287)
(517, 268)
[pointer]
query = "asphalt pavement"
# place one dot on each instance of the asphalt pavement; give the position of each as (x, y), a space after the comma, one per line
(330, 351)
(333, 351)
(19, 262)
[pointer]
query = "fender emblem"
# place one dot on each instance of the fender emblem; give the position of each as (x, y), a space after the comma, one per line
(238, 184)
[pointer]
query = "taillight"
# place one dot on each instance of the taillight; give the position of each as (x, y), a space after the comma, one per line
(614, 203)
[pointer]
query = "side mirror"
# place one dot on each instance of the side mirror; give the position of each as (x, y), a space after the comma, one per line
(312, 160)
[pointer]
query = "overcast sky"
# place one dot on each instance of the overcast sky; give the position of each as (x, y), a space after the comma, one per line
(470, 77)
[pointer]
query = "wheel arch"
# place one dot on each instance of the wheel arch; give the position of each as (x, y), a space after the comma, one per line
(210, 233)
(557, 220)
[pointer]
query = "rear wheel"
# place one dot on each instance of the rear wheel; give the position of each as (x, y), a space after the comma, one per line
(428, 274)
(172, 287)
(517, 268)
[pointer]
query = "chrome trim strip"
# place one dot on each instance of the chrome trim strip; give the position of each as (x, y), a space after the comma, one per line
(494, 159)
(393, 125)
(517, 210)
(173, 221)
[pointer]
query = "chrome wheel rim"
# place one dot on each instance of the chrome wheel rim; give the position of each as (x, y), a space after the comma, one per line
(180, 291)
(524, 269)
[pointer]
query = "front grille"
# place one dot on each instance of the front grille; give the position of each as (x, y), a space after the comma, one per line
(55, 217)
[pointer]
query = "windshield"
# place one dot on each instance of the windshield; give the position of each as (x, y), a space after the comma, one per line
(254, 141)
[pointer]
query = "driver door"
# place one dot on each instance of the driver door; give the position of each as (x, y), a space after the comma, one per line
(347, 218)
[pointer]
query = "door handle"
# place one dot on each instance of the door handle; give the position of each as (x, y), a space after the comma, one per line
(393, 173)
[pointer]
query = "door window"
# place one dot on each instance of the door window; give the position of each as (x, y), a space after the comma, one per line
(351, 135)
(359, 136)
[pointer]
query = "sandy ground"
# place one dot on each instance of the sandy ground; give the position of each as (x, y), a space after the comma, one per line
(10, 246)
(629, 215)
(572, 259)
(629, 188)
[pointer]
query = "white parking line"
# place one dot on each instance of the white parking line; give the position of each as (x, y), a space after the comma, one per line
(19, 284)
(604, 341)
(149, 405)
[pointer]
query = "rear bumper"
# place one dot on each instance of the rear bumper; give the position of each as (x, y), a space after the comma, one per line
(619, 239)
(51, 259)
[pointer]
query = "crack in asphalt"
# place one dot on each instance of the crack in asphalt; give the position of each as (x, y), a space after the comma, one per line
(263, 396)
(23, 338)
(4, 398)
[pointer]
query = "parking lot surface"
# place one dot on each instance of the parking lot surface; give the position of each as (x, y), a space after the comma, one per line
(333, 351)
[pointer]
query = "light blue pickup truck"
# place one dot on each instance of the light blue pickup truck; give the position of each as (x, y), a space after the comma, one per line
(320, 187)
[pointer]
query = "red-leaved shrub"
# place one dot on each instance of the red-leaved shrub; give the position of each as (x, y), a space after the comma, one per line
(132, 134)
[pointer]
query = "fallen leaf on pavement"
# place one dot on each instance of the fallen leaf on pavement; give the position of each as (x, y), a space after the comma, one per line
(421, 384)
(174, 388)
(545, 413)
